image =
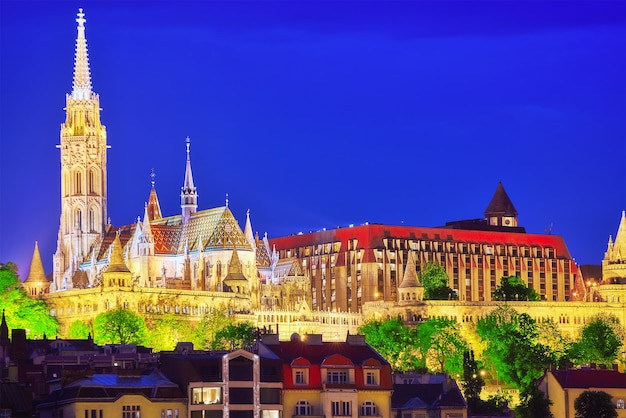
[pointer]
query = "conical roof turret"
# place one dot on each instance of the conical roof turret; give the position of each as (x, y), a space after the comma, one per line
(81, 88)
(36, 273)
(116, 259)
(153, 207)
(410, 275)
(247, 230)
(500, 204)
(188, 194)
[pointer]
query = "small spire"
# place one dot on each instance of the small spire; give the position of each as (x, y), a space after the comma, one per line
(247, 231)
(152, 176)
(226, 199)
(153, 206)
(188, 194)
(4, 331)
(187, 142)
(36, 273)
(81, 89)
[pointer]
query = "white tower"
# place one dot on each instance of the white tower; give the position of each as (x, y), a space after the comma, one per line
(83, 169)
(188, 193)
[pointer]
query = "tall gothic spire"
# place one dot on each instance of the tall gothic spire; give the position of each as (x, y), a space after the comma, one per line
(153, 207)
(188, 194)
(81, 89)
(36, 273)
(247, 231)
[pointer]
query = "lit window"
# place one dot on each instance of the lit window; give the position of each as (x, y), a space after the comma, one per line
(369, 409)
(206, 396)
(303, 408)
(371, 377)
(620, 404)
(300, 377)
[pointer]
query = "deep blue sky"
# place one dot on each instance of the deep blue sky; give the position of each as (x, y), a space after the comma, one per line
(319, 114)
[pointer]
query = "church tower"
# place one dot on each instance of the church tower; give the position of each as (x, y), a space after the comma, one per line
(188, 193)
(83, 169)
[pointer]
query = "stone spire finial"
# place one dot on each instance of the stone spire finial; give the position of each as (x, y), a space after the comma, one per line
(36, 273)
(81, 88)
(188, 194)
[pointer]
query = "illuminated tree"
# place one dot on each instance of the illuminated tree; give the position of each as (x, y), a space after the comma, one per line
(119, 326)
(435, 281)
(442, 346)
(594, 404)
(234, 336)
(394, 341)
(514, 288)
(599, 341)
(167, 330)
(20, 310)
(211, 323)
(79, 330)
(473, 381)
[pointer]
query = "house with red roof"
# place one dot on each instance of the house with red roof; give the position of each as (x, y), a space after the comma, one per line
(563, 387)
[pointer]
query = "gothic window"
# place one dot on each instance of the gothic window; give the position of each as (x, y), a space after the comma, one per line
(78, 181)
(66, 183)
(91, 220)
(79, 219)
(92, 181)
(219, 269)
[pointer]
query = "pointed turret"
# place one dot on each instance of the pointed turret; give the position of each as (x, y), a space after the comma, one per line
(81, 88)
(247, 231)
(4, 332)
(188, 194)
(410, 288)
(500, 211)
(235, 280)
(36, 283)
(153, 206)
(116, 258)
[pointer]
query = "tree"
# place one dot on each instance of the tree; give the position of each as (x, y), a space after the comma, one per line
(234, 336)
(435, 281)
(394, 341)
(79, 330)
(211, 323)
(441, 345)
(473, 382)
(167, 330)
(534, 404)
(21, 311)
(514, 288)
(513, 348)
(119, 326)
(599, 342)
(594, 404)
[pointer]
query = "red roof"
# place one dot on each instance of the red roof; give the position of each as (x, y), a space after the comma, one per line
(590, 378)
(372, 235)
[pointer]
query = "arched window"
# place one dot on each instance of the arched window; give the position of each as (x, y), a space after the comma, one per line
(620, 404)
(219, 269)
(79, 219)
(78, 183)
(91, 181)
(303, 408)
(91, 220)
(368, 408)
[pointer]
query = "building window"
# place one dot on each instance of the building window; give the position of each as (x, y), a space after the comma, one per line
(371, 377)
(303, 408)
(130, 411)
(206, 396)
(369, 409)
(341, 408)
(337, 377)
(620, 404)
(169, 413)
(300, 377)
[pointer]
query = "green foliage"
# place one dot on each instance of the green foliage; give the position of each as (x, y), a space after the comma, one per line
(594, 404)
(599, 341)
(79, 330)
(167, 330)
(119, 326)
(394, 341)
(435, 281)
(441, 345)
(534, 404)
(20, 310)
(473, 382)
(513, 288)
(513, 347)
(203, 335)
(234, 336)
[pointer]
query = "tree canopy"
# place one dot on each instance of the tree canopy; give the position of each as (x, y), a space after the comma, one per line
(594, 404)
(513, 288)
(119, 326)
(234, 336)
(21, 311)
(435, 281)
(441, 345)
(394, 341)
(600, 341)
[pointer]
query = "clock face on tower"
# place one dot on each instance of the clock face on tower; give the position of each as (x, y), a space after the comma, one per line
(507, 221)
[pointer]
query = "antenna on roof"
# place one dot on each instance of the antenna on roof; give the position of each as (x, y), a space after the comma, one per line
(548, 230)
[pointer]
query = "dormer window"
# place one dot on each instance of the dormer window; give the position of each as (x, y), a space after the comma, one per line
(337, 377)
(301, 376)
(372, 377)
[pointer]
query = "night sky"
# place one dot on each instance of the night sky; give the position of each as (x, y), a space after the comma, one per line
(323, 114)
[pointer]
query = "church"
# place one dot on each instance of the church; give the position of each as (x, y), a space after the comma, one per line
(326, 282)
